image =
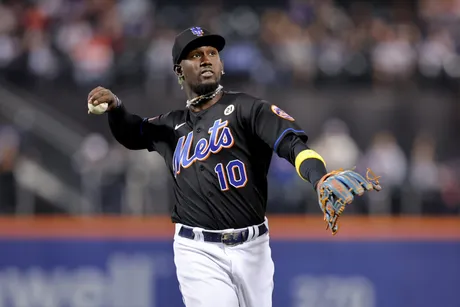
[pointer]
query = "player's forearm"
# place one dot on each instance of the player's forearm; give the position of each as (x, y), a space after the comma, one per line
(309, 165)
(126, 128)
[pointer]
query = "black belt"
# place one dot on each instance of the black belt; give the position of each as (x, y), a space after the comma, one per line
(227, 238)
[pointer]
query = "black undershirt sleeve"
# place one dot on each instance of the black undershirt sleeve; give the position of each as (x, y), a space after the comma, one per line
(126, 128)
(311, 170)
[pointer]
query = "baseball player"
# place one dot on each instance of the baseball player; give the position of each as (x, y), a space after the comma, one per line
(218, 149)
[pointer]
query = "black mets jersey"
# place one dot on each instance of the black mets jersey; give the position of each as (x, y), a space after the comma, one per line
(219, 157)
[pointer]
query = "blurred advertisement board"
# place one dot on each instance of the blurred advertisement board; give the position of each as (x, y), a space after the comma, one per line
(138, 271)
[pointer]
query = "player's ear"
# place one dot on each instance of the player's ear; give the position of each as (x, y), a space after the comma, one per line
(178, 70)
(222, 65)
(180, 75)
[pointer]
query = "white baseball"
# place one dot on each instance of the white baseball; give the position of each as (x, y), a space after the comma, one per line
(99, 109)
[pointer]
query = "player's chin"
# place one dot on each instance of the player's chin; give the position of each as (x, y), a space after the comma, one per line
(208, 79)
(208, 82)
(205, 87)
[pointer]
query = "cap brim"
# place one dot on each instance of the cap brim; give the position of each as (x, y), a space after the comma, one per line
(212, 40)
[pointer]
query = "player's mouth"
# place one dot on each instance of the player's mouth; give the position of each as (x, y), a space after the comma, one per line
(207, 73)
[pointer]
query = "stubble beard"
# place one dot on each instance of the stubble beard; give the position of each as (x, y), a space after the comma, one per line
(203, 89)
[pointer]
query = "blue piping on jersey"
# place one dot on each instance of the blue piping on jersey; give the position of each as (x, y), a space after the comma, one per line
(142, 125)
(275, 147)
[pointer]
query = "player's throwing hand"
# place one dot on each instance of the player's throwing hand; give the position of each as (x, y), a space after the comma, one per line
(100, 95)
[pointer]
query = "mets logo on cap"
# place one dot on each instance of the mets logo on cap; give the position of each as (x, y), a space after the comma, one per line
(281, 113)
(197, 31)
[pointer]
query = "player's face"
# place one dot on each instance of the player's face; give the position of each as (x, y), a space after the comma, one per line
(202, 69)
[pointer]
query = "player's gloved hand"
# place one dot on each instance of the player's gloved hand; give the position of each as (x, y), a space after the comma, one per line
(102, 95)
(338, 188)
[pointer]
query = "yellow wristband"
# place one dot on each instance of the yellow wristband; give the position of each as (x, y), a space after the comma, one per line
(304, 155)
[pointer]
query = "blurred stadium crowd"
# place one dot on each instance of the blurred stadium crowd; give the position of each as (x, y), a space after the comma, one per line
(94, 41)
(56, 50)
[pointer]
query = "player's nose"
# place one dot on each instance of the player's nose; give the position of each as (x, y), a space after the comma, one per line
(205, 63)
(205, 60)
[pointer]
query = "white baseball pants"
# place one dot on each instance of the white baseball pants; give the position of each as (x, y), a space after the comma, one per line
(217, 275)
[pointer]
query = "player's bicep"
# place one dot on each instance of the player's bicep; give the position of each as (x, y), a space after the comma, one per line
(272, 124)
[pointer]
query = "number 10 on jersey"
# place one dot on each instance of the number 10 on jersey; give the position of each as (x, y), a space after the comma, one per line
(234, 173)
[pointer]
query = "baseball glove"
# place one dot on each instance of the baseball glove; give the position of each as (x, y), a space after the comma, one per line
(338, 189)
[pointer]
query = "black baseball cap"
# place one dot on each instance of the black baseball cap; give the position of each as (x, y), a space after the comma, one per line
(193, 38)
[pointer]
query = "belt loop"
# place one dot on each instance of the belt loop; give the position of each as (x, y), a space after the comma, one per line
(178, 226)
(198, 234)
(250, 233)
(256, 231)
